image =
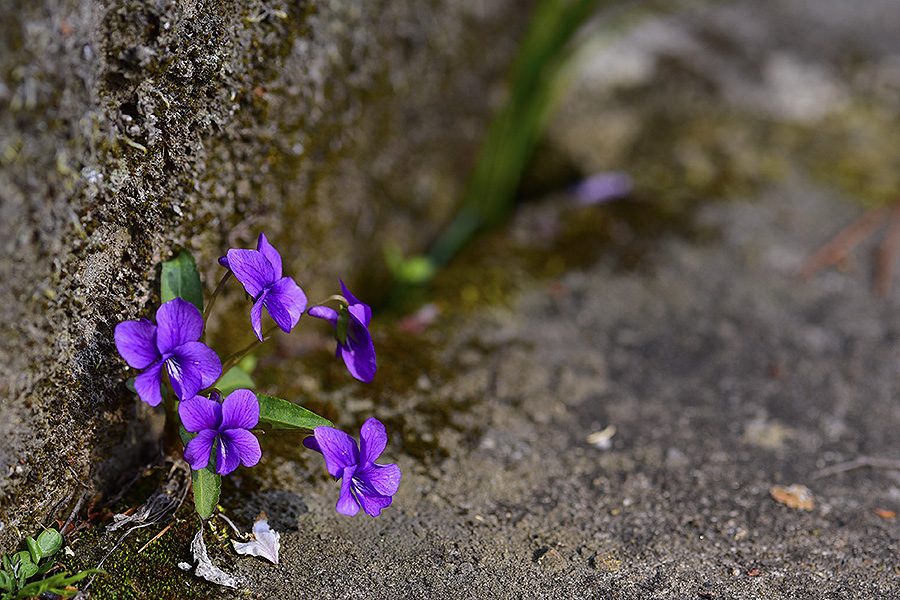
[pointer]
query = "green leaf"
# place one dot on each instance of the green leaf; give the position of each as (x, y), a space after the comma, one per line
(416, 269)
(235, 378)
(180, 279)
(49, 542)
(6, 581)
(207, 487)
(26, 567)
(248, 363)
(56, 584)
(207, 483)
(536, 81)
(281, 414)
(33, 550)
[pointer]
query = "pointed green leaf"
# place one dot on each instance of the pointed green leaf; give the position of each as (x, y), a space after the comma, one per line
(235, 378)
(281, 414)
(56, 584)
(180, 279)
(33, 550)
(207, 483)
(49, 542)
(207, 487)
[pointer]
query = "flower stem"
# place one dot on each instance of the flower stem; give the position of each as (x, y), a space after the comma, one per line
(215, 295)
(171, 439)
(336, 298)
(235, 358)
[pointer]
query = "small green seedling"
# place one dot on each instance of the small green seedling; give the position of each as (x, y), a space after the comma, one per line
(37, 561)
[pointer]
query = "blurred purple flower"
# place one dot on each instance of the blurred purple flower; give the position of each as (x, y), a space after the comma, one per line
(602, 187)
(351, 329)
(364, 484)
(223, 426)
(259, 271)
(173, 343)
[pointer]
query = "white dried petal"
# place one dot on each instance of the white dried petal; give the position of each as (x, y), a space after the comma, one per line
(263, 543)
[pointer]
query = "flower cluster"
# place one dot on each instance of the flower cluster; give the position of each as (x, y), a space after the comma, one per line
(218, 429)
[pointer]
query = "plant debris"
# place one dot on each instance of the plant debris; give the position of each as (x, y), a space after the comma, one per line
(263, 541)
(793, 496)
(206, 569)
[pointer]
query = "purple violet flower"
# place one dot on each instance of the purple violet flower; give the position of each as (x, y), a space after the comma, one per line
(351, 329)
(364, 484)
(602, 187)
(259, 271)
(223, 426)
(173, 343)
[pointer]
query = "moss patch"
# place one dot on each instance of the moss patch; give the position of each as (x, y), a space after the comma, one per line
(152, 573)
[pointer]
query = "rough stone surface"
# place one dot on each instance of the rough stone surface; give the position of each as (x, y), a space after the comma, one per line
(131, 128)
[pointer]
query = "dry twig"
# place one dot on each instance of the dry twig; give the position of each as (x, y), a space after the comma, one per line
(858, 463)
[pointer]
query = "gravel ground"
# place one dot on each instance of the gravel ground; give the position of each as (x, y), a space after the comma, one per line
(723, 377)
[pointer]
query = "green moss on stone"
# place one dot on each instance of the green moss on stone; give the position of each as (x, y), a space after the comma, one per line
(133, 572)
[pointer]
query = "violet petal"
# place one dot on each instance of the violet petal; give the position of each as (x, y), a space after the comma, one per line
(200, 413)
(136, 342)
(367, 312)
(285, 302)
(256, 316)
(185, 382)
(361, 313)
(198, 450)
(311, 443)
(324, 312)
(360, 359)
(246, 444)
(380, 480)
(240, 410)
(177, 321)
(372, 441)
(147, 384)
(252, 269)
(373, 504)
(193, 366)
(204, 361)
(270, 254)
(228, 456)
(602, 187)
(347, 503)
(338, 448)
